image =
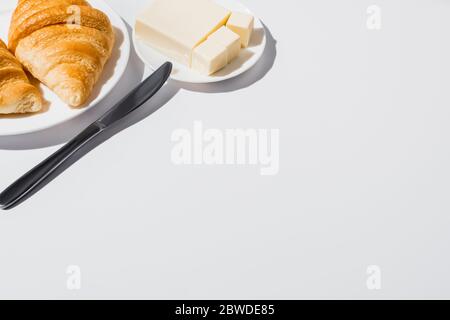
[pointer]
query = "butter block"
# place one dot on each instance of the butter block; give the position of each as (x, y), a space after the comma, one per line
(242, 24)
(209, 57)
(176, 27)
(230, 40)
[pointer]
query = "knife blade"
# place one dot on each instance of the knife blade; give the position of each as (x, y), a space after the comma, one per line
(47, 170)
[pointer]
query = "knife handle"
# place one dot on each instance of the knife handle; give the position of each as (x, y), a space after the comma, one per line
(47, 170)
(50, 168)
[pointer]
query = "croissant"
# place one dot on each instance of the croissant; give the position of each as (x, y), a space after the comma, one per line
(17, 95)
(63, 43)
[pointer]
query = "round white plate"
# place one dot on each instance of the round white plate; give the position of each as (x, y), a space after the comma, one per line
(56, 111)
(247, 58)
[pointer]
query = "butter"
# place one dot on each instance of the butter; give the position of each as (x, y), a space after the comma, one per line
(177, 27)
(210, 57)
(230, 40)
(216, 52)
(242, 24)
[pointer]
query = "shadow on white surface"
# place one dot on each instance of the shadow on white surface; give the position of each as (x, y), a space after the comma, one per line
(153, 105)
(248, 78)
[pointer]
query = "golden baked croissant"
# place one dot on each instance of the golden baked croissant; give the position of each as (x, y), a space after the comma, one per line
(63, 43)
(17, 95)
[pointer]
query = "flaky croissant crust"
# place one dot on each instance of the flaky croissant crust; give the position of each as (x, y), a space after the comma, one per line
(32, 15)
(17, 95)
(67, 58)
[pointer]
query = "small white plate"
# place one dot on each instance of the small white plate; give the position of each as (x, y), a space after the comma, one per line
(56, 111)
(247, 58)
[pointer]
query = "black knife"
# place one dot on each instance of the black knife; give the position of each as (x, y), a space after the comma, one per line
(43, 173)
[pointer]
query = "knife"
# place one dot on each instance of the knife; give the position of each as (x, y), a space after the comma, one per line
(47, 170)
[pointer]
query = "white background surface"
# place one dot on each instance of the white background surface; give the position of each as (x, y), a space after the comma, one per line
(364, 174)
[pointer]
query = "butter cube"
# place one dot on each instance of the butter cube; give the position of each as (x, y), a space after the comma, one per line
(242, 24)
(230, 40)
(209, 57)
(176, 27)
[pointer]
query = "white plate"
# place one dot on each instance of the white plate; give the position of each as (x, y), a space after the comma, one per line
(56, 111)
(247, 58)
